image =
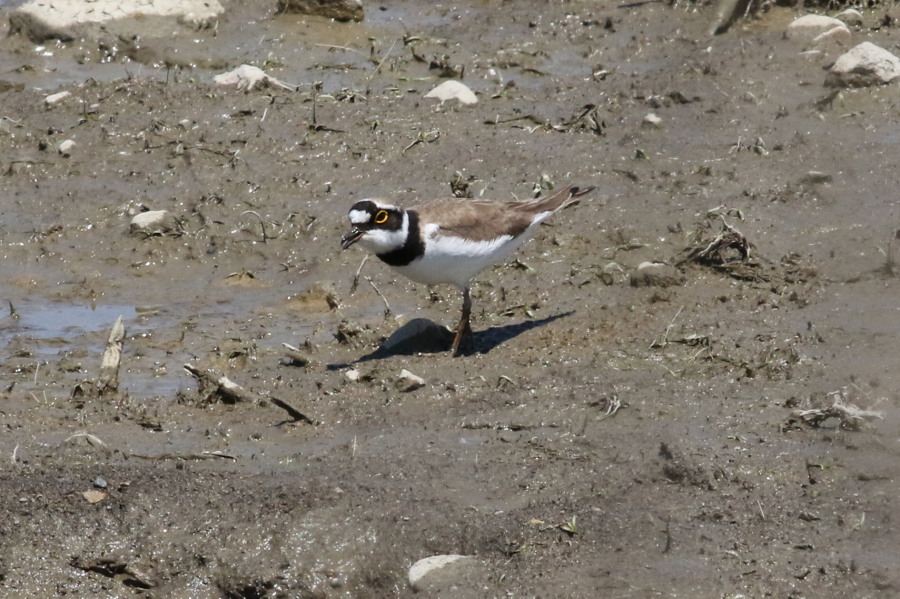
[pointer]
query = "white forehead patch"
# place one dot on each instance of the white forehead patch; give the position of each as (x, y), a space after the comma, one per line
(359, 217)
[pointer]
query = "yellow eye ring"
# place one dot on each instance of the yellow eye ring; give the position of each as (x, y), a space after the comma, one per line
(381, 217)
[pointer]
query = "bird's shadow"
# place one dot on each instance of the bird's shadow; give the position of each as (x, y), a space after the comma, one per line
(481, 342)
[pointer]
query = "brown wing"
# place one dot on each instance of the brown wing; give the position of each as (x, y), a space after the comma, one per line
(475, 219)
(482, 219)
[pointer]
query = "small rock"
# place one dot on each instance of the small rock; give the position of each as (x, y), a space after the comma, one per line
(54, 99)
(656, 274)
(453, 90)
(851, 16)
(352, 375)
(651, 120)
(419, 335)
(838, 36)
(407, 381)
(425, 569)
(65, 148)
(339, 10)
(864, 65)
(808, 27)
(153, 222)
(94, 496)
(99, 482)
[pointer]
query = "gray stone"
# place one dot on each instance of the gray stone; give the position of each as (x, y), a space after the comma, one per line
(453, 90)
(419, 335)
(808, 27)
(153, 222)
(65, 148)
(850, 16)
(656, 274)
(864, 65)
(41, 20)
(407, 381)
(436, 569)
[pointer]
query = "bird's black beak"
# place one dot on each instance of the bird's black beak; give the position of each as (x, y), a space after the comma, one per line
(350, 238)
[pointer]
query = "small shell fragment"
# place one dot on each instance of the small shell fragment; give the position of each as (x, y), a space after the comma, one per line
(450, 90)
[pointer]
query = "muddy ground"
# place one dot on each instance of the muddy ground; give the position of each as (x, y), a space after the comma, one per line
(602, 440)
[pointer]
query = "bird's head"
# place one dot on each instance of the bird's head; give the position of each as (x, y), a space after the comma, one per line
(377, 226)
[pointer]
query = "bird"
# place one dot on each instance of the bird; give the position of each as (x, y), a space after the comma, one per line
(450, 240)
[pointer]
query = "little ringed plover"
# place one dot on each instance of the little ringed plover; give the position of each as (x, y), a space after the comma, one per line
(452, 240)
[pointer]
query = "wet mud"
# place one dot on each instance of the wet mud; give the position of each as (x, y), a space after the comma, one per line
(726, 427)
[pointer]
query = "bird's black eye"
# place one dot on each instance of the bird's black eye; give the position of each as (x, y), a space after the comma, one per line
(381, 217)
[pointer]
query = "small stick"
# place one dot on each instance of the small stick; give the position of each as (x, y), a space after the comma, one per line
(664, 340)
(92, 439)
(356, 276)
(262, 224)
(387, 307)
(386, 54)
(293, 412)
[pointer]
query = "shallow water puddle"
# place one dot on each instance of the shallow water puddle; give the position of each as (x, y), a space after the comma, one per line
(63, 320)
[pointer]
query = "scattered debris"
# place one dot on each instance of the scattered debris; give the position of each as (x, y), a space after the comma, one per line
(728, 251)
(112, 568)
(587, 118)
(247, 78)
(215, 387)
(348, 333)
(295, 357)
(849, 416)
(609, 404)
(108, 382)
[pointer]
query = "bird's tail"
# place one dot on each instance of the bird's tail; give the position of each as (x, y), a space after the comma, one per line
(556, 201)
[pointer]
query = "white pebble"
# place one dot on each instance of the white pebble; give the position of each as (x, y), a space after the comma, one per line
(66, 147)
(54, 99)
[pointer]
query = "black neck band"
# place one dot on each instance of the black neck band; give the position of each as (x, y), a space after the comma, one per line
(412, 249)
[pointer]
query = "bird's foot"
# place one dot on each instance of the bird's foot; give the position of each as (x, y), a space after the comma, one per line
(463, 339)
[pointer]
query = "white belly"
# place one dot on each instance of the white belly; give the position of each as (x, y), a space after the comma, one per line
(452, 260)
